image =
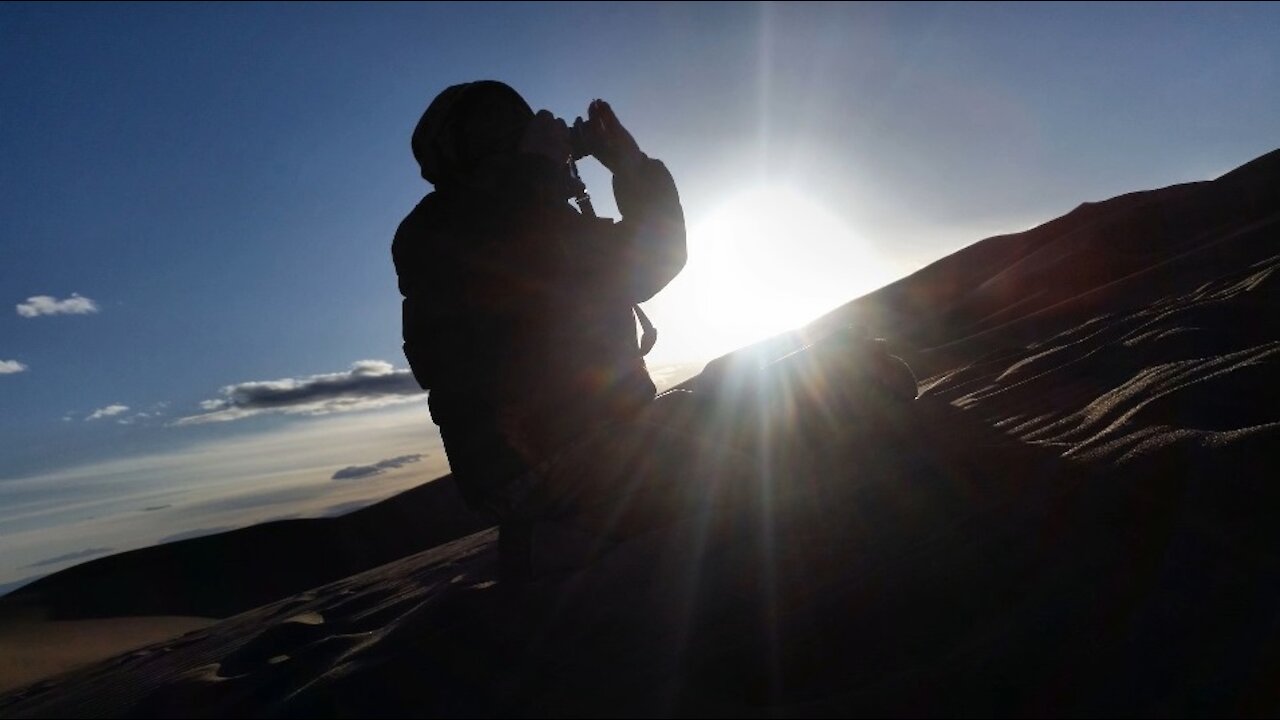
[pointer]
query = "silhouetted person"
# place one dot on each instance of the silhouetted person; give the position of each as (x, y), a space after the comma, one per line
(517, 313)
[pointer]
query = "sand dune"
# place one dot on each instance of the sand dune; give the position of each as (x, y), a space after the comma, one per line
(33, 647)
(1077, 517)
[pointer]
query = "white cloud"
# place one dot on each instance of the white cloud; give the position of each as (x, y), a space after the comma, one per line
(363, 471)
(9, 367)
(48, 305)
(107, 411)
(369, 384)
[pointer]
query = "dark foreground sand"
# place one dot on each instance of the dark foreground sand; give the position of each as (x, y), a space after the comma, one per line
(1077, 517)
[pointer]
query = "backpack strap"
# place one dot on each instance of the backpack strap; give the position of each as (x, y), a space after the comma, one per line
(649, 336)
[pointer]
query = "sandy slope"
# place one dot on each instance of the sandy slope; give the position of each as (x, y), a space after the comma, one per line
(33, 648)
(1076, 517)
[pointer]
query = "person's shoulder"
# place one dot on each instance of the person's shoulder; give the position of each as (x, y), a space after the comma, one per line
(413, 235)
(428, 213)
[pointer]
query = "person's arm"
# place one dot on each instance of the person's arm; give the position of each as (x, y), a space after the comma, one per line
(651, 235)
(643, 252)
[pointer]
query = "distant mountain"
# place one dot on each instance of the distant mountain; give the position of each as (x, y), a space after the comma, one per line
(225, 573)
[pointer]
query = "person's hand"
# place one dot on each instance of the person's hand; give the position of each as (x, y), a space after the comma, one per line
(615, 148)
(547, 136)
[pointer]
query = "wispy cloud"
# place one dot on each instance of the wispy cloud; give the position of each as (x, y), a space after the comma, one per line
(367, 385)
(353, 472)
(9, 367)
(108, 411)
(151, 415)
(48, 305)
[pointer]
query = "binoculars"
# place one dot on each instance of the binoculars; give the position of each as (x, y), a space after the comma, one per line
(584, 138)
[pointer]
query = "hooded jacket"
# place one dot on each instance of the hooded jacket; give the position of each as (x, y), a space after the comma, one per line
(517, 309)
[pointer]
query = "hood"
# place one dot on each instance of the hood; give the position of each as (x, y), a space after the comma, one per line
(465, 124)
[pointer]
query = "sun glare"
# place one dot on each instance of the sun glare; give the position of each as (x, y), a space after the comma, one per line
(769, 260)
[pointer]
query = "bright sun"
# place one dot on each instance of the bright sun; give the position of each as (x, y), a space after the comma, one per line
(765, 261)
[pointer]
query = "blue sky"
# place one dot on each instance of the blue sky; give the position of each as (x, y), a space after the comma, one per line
(223, 181)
